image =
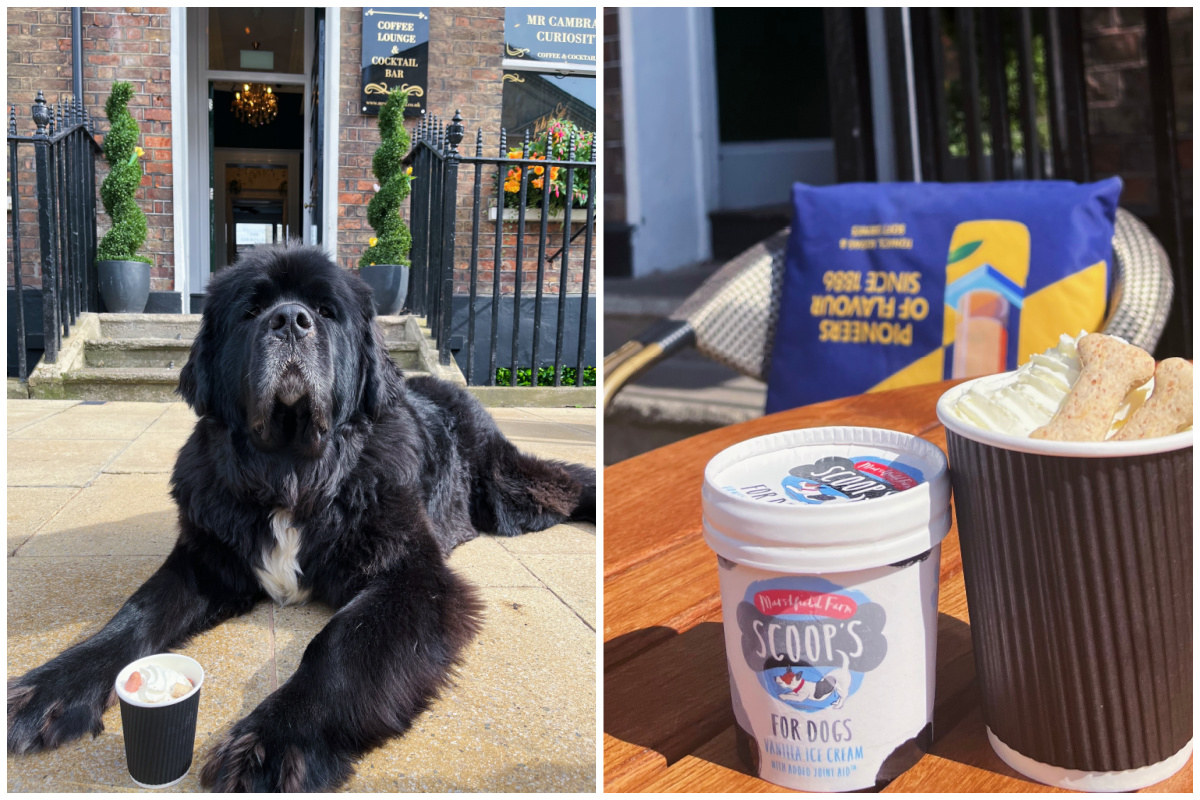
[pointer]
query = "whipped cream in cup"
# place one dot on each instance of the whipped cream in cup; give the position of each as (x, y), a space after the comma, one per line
(159, 730)
(828, 544)
(1019, 402)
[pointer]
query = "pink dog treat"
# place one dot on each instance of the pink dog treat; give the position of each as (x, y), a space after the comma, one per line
(134, 683)
(1110, 368)
(1169, 408)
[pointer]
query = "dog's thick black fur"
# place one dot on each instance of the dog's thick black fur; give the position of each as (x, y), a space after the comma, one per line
(310, 436)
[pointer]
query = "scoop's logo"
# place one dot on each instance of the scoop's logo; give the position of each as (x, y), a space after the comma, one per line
(838, 478)
(811, 643)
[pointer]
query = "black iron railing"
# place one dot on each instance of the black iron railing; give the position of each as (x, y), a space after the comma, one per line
(64, 167)
(1015, 106)
(435, 159)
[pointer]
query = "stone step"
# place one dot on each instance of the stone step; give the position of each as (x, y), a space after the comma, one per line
(173, 353)
(395, 329)
(186, 326)
(140, 352)
(149, 326)
(147, 384)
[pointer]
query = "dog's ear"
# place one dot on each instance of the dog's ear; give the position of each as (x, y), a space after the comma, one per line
(195, 378)
(382, 382)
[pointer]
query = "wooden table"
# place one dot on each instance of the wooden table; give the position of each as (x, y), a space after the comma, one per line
(668, 721)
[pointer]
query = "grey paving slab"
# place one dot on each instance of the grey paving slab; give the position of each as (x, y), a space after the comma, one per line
(515, 720)
(153, 451)
(484, 562)
(561, 451)
(22, 413)
(59, 462)
(295, 626)
(570, 576)
(521, 717)
(538, 430)
(511, 414)
(582, 419)
(56, 602)
(84, 421)
(572, 537)
(117, 515)
(29, 508)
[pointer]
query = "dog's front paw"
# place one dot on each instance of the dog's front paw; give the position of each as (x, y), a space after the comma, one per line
(258, 757)
(44, 712)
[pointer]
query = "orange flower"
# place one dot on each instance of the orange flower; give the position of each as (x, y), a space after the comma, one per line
(554, 173)
(538, 170)
(512, 186)
(536, 183)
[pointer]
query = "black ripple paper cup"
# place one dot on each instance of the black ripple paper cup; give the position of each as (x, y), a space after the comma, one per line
(1077, 558)
(160, 737)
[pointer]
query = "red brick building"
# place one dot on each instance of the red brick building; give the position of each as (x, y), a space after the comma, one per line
(308, 172)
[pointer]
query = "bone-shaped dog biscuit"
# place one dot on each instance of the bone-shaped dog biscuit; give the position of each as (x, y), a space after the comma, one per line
(1169, 409)
(1110, 368)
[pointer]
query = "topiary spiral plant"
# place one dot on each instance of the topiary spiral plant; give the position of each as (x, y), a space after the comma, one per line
(128, 230)
(391, 242)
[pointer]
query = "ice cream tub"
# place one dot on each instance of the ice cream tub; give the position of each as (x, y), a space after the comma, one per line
(159, 729)
(1077, 560)
(828, 545)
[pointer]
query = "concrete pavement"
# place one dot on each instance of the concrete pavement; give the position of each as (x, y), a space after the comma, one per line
(90, 519)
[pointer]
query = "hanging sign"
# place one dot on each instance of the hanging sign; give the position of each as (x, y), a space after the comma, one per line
(561, 37)
(395, 57)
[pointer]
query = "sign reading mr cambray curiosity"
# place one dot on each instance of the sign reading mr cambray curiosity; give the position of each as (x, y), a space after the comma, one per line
(395, 57)
(561, 36)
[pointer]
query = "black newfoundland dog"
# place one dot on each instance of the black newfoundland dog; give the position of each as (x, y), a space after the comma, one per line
(316, 471)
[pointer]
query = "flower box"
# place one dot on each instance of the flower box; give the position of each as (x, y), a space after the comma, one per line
(534, 214)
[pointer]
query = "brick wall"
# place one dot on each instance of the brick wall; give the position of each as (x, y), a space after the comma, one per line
(466, 48)
(1119, 100)
(131, 44)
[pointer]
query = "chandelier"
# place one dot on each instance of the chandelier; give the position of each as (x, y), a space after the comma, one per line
(255, 104)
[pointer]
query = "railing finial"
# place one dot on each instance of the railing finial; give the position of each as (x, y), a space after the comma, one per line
(455, 132)
(41, 114)
(12, 120)
(479, 143)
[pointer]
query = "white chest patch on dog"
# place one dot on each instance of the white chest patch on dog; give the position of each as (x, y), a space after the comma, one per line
(280, 571)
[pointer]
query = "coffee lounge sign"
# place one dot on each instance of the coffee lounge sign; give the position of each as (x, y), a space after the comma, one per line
(395, 57)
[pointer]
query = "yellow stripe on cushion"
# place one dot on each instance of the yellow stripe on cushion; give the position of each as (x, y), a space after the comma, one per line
(1068, 306)
(927, 369)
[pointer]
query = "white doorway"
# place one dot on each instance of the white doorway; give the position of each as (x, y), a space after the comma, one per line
(224, 49)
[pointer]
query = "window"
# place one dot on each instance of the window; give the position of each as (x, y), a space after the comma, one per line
(256, 39)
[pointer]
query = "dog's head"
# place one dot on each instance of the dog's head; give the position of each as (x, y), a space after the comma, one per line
(288, 350)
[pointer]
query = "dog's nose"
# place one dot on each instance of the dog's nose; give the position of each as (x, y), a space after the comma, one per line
(291, 320)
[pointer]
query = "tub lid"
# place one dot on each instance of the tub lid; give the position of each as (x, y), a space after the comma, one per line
(831, 499)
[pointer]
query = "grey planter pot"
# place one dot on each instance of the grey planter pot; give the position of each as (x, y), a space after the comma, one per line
(389, 282)
(124, 286)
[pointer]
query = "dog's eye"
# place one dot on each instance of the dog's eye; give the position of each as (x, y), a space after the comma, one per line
(325, 311)
(252, 312)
